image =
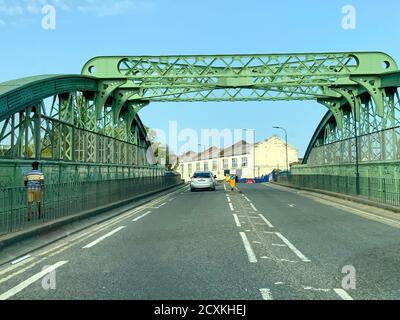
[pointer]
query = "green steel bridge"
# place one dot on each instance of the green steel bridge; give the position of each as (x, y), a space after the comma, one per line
(86, 131)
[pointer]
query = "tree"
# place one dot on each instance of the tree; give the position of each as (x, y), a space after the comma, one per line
(162, 153)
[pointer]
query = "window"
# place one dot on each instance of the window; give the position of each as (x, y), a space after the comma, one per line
(202, 175)
(198, 166)
(244, 162)
(226, 164)
(205, 165)
(215, 165)
(234, 163)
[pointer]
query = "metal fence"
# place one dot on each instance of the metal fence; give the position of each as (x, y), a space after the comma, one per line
(66, 199)
(382, 190)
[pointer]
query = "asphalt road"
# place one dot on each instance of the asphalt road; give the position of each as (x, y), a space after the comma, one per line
(258, 242)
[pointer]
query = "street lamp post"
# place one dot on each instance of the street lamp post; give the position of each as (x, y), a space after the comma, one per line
(287, 157)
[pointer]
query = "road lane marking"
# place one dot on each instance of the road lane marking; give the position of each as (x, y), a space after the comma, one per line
(21, 259)
(266, 294)
(231, 206)
(286, 260)
(249, 249)
(103, 237)
(161, 205)
(229, 199)
(343, 294)
(254, 208)
(266, 221)
(77, 238)
(247, 199)
(237, 220)
(317, 289)
(278, 245)
(225, 187)
(13, 267)
(12, 292)
(142, 216)
(291, 205)
(293, 248)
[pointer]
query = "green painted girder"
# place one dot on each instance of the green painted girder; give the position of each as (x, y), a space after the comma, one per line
(16, 95)
(304, 76)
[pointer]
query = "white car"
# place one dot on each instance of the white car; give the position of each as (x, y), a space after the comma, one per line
(203, 180)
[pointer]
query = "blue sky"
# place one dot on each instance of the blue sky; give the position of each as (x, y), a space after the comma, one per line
(89, 28)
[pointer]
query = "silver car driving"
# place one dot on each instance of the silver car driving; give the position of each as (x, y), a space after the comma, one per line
(203, 180)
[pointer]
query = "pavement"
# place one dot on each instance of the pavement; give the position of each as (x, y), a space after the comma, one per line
(259, 242)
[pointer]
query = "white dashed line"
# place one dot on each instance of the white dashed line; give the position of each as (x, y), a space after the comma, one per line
(237, 220)
(142, 216)
(343, 294)
(286, 260)
(249, 249)
(266, 294)
(293, 248)
(12, 292)
(254, 208)
(317, 289)
(266, 221)
(103, 237)
(231, 206)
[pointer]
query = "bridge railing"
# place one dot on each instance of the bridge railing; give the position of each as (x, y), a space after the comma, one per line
(381, 190)
(67, 199)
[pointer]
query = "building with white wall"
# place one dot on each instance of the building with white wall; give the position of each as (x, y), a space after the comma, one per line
(246, 159)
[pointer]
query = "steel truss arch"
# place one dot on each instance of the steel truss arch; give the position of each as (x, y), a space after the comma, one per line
(56, 117)
(356, 87)
(375, 112)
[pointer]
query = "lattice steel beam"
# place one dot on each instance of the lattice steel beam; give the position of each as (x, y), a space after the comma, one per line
(239, 77)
